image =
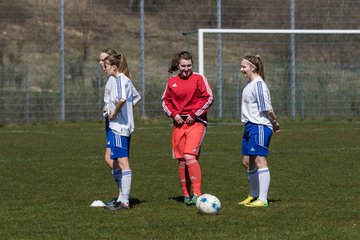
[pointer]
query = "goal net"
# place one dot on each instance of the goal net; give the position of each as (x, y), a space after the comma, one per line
(310, 73)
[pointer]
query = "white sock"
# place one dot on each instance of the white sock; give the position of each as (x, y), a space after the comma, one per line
(117, 178)
(253, 180)
(264, 183)
(125, 186)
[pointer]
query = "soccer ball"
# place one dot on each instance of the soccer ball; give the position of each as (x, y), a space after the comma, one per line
(208, 203)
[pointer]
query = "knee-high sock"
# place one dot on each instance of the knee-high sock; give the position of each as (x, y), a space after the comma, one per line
(253, 180)
(184, 179)
(264, 183)
(194, 170)
(125, 186)
(116, 173)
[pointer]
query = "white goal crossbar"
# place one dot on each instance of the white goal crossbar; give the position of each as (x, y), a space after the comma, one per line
(291, 32)
(201, 32)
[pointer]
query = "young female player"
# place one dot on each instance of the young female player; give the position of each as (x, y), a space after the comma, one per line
(260, 121)
(186, 100)
(121, 124)
(111, 83)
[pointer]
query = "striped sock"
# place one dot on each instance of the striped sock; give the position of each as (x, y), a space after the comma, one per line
(264, 183)
(195, 175)
(125, 186)
(184, 179)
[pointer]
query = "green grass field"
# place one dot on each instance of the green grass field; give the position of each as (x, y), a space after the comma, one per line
(50, 174)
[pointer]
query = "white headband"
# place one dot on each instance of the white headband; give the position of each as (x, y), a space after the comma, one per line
(249, 62)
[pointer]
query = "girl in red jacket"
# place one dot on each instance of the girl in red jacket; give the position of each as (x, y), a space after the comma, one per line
(186, 100)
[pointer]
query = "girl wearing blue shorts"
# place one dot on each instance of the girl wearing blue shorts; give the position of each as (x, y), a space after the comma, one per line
(121, 124)
(260, 122)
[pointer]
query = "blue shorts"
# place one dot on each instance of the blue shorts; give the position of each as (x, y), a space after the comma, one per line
(108, 142)
(256, 140)
(119, 145)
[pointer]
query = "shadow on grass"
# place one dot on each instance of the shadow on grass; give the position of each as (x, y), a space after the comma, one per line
(178, 198)
(274, 200)
(181, 199)
(136, 201)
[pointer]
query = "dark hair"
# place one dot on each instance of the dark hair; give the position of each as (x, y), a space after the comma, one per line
(119, 61)
(258, 64)
(176, 60)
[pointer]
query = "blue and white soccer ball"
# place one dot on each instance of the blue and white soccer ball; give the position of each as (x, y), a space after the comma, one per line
(208, 204)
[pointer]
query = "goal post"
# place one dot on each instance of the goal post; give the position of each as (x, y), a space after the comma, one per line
(202, 31)
(290, 32)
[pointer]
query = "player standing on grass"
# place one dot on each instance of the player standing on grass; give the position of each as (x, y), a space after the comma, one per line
(186, 99)
(121, 123)
(110, 84)
(260, 121)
